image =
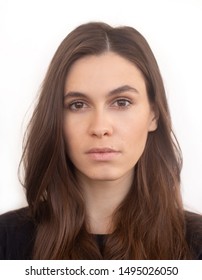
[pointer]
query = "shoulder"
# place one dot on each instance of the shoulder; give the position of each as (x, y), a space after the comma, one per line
(16, 234)
(13, 217)
(194, 232)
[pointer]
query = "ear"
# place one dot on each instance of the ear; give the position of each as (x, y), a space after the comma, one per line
(154, 116)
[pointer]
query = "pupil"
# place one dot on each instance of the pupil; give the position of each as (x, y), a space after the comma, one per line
(121, 103)
(78, 105)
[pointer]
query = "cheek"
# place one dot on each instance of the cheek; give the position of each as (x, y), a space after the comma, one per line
(69, 135)
(135, 135)
(73, 134)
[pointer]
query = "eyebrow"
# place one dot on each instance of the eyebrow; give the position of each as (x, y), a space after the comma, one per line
(115, 91)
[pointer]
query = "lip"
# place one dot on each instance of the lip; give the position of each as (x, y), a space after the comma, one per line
(102, 154)
(101, 150)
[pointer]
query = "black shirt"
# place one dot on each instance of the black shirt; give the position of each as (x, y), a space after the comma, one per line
(17, 234)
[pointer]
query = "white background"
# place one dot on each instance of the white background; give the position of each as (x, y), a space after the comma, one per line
(30, 32)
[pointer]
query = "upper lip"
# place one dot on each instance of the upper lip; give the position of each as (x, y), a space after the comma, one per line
(101, 150)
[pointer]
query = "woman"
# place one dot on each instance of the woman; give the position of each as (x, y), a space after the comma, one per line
(102, 165)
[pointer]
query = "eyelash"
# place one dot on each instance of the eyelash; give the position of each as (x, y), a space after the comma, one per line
(83, 103)
(70, 106)
(123, 100)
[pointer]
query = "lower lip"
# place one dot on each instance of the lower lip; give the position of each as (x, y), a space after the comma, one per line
(103, 156)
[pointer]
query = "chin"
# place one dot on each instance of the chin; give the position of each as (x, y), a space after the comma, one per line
(104, 178)
(101, 176)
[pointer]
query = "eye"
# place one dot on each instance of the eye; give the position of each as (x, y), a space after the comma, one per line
(77, 105)
(122, 103)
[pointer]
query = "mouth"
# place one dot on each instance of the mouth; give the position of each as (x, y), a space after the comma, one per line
(102, 154)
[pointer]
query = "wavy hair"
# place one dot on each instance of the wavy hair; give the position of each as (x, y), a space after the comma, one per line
(150, 222)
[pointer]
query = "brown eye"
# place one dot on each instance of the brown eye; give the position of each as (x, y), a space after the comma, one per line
(122, 103)
(77, 105)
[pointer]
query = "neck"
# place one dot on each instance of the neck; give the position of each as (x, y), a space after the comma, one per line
(102, 199)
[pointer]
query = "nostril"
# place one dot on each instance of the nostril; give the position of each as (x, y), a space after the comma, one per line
(101, 132)
(100, 125)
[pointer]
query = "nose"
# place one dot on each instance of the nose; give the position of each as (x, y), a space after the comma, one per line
(100, 125)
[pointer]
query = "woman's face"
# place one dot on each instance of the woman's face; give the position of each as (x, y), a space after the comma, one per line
(107, 116)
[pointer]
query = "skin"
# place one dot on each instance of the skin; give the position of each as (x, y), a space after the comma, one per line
(105, 106)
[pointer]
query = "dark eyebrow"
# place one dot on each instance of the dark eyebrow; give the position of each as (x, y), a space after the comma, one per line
(74, 94)
(115, 91)
(123, 89)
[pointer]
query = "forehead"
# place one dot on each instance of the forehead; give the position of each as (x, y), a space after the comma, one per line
(103, 72)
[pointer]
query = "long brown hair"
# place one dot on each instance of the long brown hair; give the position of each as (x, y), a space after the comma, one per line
(149, 223)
